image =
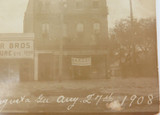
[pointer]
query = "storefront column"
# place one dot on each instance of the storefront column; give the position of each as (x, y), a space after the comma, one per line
(36, 67)
(72, 71)
(53, 67)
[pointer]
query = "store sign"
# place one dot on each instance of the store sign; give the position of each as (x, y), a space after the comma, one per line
(16, 49)
(81, 61)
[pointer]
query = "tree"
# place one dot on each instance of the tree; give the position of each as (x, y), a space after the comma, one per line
(135, 46)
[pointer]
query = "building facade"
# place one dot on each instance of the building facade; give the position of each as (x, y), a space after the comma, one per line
(70, 38)
(16, 57)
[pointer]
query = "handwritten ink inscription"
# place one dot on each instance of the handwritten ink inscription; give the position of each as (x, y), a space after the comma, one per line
(4, 102)
(62, 99)
(23, 99)
(110, 100)
(42, 99)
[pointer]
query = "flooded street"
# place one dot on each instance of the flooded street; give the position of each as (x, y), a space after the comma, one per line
(107, 95)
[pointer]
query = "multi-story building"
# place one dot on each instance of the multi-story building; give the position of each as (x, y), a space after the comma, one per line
(70, 38)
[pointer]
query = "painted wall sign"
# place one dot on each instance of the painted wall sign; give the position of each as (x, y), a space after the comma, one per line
(81, 61)
(16, 49)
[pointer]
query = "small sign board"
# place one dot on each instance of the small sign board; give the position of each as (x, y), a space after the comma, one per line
(16, 49)
(81, 61)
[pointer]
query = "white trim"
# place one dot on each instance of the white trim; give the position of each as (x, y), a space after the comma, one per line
(36, 67)
(158, 32)
(17, 36)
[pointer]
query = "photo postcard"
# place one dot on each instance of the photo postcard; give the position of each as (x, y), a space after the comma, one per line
(78, 57)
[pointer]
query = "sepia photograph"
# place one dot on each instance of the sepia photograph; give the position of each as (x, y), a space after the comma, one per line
(78, 57)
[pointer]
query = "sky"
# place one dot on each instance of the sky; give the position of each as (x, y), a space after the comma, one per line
(121, 9)
(12, 12)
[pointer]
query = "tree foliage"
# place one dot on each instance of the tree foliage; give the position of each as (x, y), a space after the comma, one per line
(133, 44)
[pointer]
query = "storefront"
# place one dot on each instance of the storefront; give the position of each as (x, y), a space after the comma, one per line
(81, 66)
(16, 57)
(19, 61)
(88, 65)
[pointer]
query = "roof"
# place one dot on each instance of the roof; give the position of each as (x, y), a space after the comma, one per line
(16, 36)
(30, 6)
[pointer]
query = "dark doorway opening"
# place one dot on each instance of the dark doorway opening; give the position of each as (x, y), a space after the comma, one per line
(26, 70)
(9, 71)
(45, 67)
(81, 72)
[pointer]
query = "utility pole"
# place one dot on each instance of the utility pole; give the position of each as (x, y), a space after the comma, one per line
(107, 64)
(62, 6)
(131, 12)
(132, 36)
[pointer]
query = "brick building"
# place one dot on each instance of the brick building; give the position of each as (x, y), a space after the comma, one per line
(70, 38)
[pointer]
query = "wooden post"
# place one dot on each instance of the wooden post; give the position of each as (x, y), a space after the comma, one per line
(107, 56)
(54, 66)
(36, 67)
(61, 44)
(9, 70)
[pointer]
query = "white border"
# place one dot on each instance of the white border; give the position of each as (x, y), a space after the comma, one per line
(158, 32)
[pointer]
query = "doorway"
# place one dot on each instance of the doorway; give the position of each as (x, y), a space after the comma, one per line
(9, 71)
(45, 67)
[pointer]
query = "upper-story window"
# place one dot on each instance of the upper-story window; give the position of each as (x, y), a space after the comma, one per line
(96, 27)
(45, 6)
(45, 30)
(64, 0)
(80, 27)
(64, 3)
(39, 6)
(95, 4)
(64, 30)
(79, 4)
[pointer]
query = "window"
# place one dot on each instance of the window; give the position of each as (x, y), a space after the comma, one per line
(64, 30)
(96, 27)
(64, 2)
(45, 30)
(80, 28)
(93, 40)
(40, 6)
(79, 4)
(95, 4)
(45, 6)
